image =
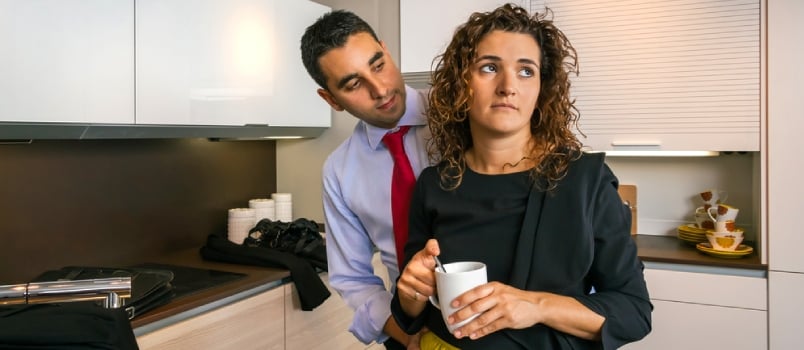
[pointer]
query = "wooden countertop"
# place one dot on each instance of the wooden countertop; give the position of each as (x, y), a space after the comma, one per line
(256, 277)
(669, 249)
(665, 249)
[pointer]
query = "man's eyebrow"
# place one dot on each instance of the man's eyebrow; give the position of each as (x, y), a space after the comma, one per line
(345, 80)
(376, 57)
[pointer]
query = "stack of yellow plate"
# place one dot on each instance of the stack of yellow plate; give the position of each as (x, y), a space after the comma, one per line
(690, 233)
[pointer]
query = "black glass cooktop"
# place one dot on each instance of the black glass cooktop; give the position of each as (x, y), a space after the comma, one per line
(190, 280)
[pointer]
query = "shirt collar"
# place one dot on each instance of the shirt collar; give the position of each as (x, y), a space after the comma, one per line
(414, 116)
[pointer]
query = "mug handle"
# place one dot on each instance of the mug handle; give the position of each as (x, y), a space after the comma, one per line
(434, 301)
(709, 213)
(722, 197)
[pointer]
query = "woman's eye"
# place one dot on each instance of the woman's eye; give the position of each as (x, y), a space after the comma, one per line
(488, 68)
(526, 72)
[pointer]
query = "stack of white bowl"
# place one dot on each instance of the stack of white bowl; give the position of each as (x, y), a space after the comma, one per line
(283, 206)
(264, 209)
(241, 220)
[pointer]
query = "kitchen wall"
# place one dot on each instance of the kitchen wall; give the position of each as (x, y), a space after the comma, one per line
(666, 186)
(116, 202)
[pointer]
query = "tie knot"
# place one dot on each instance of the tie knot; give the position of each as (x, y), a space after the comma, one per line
(393, 140)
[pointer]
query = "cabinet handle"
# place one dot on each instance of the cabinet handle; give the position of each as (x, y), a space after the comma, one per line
(646, 144)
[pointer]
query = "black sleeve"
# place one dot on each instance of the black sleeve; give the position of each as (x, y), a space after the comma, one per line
(621, 295)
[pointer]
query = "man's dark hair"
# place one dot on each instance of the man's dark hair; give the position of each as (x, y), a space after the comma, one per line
(328, 32)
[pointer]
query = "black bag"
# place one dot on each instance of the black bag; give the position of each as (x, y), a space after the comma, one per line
(300, 237)
(149, 287)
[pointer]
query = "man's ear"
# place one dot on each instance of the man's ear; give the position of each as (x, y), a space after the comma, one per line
(331, 100)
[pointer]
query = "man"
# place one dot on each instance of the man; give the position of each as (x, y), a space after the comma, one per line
(352, 66)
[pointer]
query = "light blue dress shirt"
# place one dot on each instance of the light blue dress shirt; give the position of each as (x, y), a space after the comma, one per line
(357, 211)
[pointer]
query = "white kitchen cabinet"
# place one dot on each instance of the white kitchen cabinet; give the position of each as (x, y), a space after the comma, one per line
(210, 62)
(324, 328)
(657, 75)
(67, 61)
(785, 125)
(680, 325)
(426, 28)
(327, 326)
(682, 75)
(696, 310)
(252, 323)
(785, 310)
(785, 105)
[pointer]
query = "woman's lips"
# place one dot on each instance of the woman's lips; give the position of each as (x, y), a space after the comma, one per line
(504, 105)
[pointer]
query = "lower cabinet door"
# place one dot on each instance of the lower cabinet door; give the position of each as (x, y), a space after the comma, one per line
(324, 328)
(253, 323)
(678, 325)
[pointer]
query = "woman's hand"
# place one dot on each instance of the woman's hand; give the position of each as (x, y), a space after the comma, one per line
(417, 281)
(502, 306)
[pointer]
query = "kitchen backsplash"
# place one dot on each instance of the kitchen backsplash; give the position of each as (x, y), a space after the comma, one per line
(120, 201)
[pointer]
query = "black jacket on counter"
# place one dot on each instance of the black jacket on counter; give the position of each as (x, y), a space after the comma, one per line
(68, 326)
(312, 291)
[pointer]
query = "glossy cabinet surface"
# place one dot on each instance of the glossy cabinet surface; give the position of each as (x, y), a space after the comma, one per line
(67, 61)
(214, 62)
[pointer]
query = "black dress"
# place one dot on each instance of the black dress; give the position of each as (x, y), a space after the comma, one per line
(578, 239)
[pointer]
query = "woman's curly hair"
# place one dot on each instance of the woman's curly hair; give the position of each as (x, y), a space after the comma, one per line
(553, 119)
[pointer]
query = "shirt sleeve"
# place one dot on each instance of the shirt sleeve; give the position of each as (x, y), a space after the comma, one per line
(351, 274)
(621, 295)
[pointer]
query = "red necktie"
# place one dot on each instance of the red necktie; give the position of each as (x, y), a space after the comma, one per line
(401, 189)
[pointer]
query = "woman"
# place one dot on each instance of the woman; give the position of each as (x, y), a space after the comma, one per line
(514, 191)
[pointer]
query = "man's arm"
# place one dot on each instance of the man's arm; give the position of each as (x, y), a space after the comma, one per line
(351, 273)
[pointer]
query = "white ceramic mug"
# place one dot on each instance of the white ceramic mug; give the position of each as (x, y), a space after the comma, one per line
(702, 219)
(725, 226)
(723, 212)
(459, 278)
(713, 197)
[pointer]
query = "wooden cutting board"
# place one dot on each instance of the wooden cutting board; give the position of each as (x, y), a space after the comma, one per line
(628, 193)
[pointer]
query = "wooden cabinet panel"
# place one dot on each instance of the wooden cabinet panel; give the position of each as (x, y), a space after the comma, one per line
(253, 323)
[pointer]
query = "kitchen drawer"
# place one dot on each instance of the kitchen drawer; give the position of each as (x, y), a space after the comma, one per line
(708, 288)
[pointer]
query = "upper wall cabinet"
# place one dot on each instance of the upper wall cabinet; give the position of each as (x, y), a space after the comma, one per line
(212, 62)
(67, 61)
(654, 75)
(425, 31)
(661, 75)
